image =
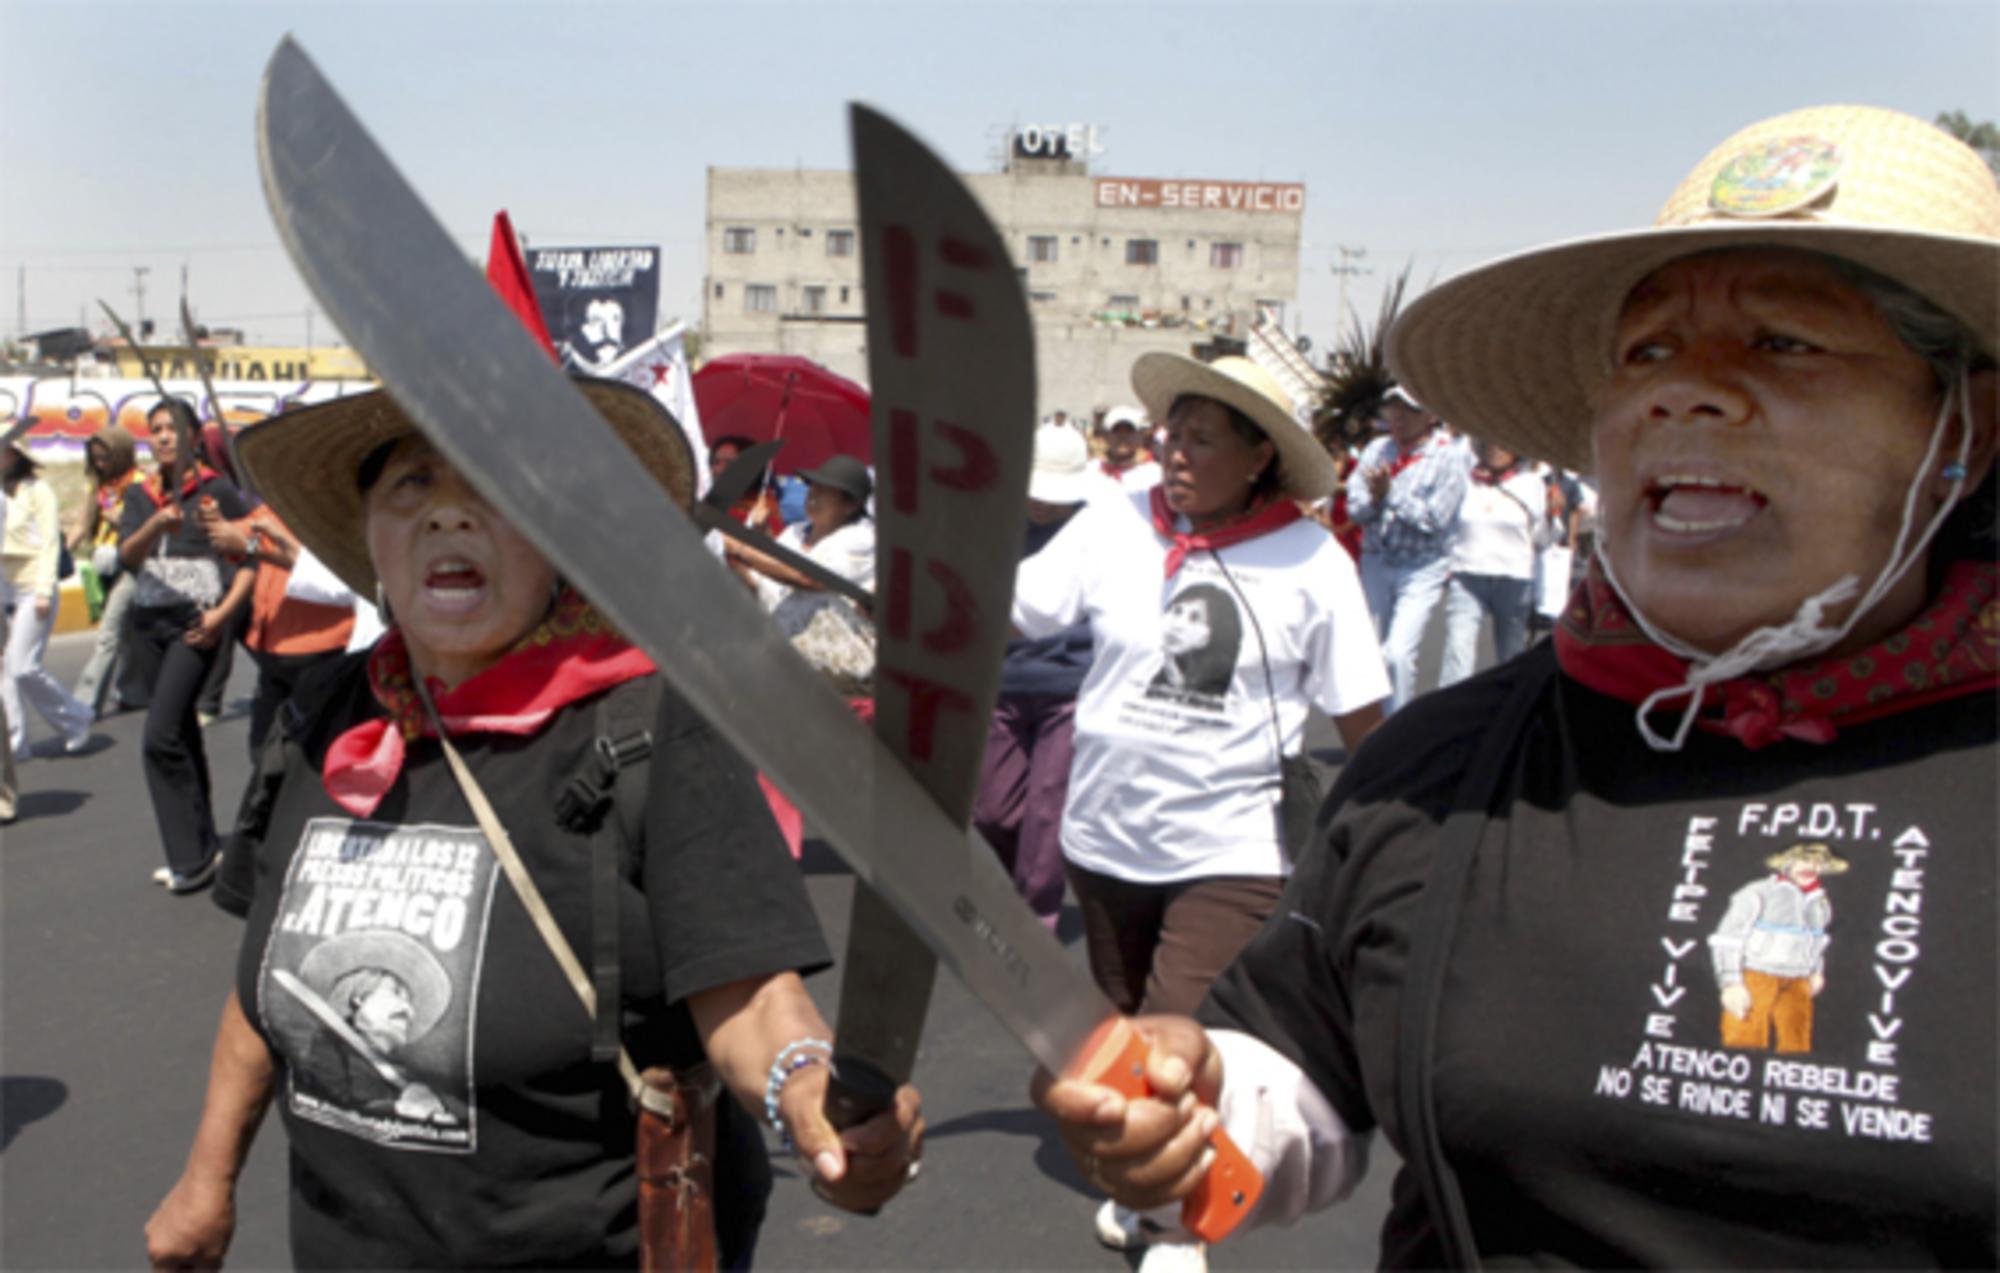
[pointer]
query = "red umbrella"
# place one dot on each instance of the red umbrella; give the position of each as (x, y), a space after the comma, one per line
(762, 396)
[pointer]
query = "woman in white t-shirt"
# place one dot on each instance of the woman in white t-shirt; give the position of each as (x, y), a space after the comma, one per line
(1502, 525)
(828, 629)
(1221, 614)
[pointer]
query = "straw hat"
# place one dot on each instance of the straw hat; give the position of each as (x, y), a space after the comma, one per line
(305, 463)
(1061, 472)
(1158, 379)
(1510, 350)
(1816, 857)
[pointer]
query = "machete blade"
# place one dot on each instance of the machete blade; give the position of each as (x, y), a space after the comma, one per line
(744, 472)
(241, 478)
(482, 391)
(951, 379)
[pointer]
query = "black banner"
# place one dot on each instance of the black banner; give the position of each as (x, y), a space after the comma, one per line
(598, 302)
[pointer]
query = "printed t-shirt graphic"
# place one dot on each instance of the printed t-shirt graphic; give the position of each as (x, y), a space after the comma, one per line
(370, 978)
(1772, 1044)
(1201, 634)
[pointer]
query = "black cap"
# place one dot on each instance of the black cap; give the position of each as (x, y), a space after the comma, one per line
(845, 474)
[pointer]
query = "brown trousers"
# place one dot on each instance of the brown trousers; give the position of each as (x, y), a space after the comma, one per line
(1780, 1003)
(1156, 947)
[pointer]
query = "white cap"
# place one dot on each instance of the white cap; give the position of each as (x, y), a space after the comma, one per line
(1061, 470)
(1134, 416)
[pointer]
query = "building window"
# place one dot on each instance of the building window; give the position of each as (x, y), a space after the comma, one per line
(1142, 251)
(805, 232)
(813, 300)
(739, 240)
(840, 243)
(843, 296)
(1124, 301)
(718, 291)
(1042, 298)
(1042, 248)
(760, 298)
(1225, 256)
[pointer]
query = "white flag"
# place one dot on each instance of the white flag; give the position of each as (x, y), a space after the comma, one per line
(660, 367)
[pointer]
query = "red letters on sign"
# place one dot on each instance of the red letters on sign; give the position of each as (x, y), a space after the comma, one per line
(927, 697)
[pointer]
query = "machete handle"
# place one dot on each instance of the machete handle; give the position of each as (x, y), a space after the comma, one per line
(856, 1092)
(1115, 1057)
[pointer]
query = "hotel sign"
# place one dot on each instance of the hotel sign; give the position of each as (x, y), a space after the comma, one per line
(1219, 196)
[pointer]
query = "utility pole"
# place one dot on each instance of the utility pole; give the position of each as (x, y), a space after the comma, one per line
(1347, 269)
(20, 301)
(139, 273)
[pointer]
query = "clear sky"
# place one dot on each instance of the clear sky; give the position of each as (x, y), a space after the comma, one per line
(1438, 133)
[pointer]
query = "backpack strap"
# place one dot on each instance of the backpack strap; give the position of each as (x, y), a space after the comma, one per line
(1430, 955)
(611, 812)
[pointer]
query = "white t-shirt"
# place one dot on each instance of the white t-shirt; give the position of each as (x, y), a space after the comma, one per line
(1176, 771)
(1143, 476)
(1500, 527)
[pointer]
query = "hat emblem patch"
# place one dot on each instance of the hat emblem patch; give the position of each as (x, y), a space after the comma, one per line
(1776, 177)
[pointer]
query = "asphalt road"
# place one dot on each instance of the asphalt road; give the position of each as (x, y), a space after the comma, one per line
(110, 990)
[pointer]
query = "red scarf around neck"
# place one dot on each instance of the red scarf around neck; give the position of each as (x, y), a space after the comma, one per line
(1951, 648)
(1276, 515)
(571, 655)
(192, 483)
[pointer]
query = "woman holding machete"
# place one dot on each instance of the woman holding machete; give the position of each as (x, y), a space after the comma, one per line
(447, 1098)
(1671, 942)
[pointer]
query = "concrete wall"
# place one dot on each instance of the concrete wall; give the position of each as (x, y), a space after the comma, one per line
(1094, 312)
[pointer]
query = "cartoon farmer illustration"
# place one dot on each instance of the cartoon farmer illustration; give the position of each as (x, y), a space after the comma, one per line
(1770, 951)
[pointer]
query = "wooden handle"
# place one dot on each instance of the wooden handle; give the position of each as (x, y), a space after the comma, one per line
(1116, 1058)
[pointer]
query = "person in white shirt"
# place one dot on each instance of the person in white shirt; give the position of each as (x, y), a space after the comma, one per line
(1502, 524)
(1221, 616)
(828, 629)
(1127, 464)
(28, 552)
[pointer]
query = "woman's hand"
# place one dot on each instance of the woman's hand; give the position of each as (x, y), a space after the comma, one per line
(167, 519)
(1150, 1151)
(863, 1167)
(193, 1224)
(223, 535)
(205, 631)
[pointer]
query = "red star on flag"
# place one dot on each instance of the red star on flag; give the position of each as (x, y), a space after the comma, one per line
(662, 372)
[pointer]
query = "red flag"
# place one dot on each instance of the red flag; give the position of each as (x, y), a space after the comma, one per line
(508, 273)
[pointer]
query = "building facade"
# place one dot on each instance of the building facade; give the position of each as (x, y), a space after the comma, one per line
(1113, 267)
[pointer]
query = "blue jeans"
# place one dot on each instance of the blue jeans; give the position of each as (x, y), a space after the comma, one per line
(1466, 600)
(1401, 598)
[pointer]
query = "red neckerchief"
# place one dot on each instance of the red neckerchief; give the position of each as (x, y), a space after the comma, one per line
(1951, 649)
(573, 654)
(1493, 477)
(1402, 461)
(1259, 521)
(111, 494)
(156, 486)
(1807, 889)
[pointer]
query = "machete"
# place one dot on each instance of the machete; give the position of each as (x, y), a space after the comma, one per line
(181, 433)
(951, 382)
(236, 472)
(742, 474)
(708, 517)
(487, 397)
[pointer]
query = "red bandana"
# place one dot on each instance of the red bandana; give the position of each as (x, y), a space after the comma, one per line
(1951, 649)
(1262, 521)
(1493, 477)
(202, 476)
(573, 654)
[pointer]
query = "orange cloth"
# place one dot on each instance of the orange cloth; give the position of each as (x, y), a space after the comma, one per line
(284, 625)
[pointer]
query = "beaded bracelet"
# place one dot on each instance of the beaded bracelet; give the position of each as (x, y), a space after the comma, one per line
(792, 1058)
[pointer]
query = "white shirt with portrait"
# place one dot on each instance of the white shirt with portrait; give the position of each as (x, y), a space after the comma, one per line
(1177, 760)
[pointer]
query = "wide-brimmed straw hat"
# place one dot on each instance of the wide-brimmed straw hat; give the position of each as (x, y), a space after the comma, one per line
(1510, 351)
(305, 463)
(1158, 379)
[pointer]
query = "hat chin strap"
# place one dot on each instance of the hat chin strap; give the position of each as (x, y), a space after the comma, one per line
(1806, 633)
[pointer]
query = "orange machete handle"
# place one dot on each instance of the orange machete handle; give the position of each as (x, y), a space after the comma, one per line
(1115, 1058)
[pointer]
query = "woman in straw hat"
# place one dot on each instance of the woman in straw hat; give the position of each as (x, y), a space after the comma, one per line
(1512, 949)
(1220, 615)
(363, 820)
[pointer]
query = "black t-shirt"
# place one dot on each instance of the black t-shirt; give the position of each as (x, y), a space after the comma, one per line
(1598, 1102)
(453, 1115)
(184, 569)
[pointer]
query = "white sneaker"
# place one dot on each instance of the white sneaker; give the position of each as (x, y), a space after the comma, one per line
(200, 878)
(163, 875)
(1121, 1228)
(1175, 1257)
(77, 745)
